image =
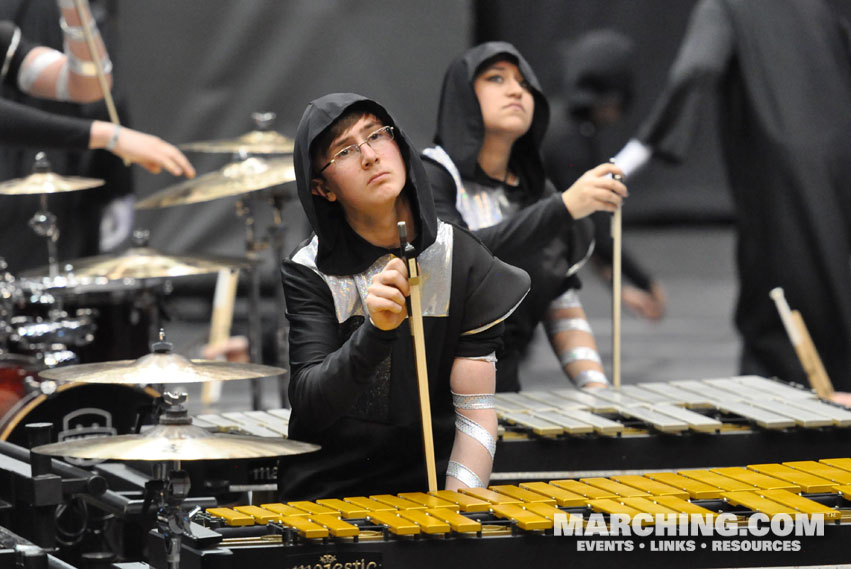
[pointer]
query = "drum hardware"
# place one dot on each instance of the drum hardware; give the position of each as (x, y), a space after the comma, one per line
(263, 140)
(245, 174)
(161, 367)
(120, 290)
(43, 181)
(172, 440)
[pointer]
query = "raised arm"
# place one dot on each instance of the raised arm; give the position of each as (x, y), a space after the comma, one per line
(69, 75)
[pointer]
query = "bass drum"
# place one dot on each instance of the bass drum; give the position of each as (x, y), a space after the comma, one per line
(17, 374)
(78, 410)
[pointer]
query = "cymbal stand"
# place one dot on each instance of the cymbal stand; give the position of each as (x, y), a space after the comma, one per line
(44, 224)
(245, 208)
(171, 486)
(276, 238)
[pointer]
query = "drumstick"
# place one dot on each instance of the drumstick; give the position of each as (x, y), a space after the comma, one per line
(415, 315)
(104, 87)
(223, 301)
(616, 295)
(805, 349)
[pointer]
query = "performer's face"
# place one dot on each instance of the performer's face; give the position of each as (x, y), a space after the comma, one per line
(505, 99)
(365, 168)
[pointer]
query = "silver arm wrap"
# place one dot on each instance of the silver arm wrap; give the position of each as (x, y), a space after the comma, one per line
(74, 34)
(568, 324)
(577, 354)
(491, 357)
(13, 47)
(569, 299)
(32, 68)
(583, 378)
(464, 474)
(473, 400)
(476, 432)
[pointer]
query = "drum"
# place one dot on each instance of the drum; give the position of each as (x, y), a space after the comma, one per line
(17, 374)
(124, 314)
(77, 410)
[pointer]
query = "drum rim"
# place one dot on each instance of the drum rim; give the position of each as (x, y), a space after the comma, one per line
(23, 407)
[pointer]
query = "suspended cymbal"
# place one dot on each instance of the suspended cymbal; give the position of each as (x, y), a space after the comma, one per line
(237, 178)
(47, 183)
(254, 142)
(160, 368)
(137, 263)
(173, 443)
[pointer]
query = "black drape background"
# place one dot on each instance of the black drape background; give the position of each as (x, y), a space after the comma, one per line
(195, 70)
(693, 192)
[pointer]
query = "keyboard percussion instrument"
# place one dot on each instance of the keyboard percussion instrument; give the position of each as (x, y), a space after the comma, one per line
(526, 525)
(642, 426)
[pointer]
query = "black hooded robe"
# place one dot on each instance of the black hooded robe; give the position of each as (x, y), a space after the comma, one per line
(782, 72)
(540, 237)
(353, 388)
(599, 64)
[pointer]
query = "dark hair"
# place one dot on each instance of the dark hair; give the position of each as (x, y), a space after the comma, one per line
(320, 145)
(492, 60)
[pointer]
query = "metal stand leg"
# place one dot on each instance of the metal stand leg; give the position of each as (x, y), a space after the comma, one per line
(245, 209)
(276, 236)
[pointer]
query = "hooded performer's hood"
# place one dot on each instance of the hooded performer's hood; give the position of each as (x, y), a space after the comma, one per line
(341, 250)
(599, 64)
(460, 129)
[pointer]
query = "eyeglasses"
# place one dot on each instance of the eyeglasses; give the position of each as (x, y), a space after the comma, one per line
(376, 140)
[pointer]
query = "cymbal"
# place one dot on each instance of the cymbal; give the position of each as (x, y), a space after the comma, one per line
(236, 178)
(174, 443)
(47, 183)
(254, 142)
(160, 368)
(135, 263)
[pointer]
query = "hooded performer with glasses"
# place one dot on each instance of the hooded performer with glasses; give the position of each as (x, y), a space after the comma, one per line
(353, 388)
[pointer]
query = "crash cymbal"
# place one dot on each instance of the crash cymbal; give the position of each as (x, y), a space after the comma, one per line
(134, 263)
(175, 443)
(254, 142)
(160, 368)
(236, 178)
(47, 183)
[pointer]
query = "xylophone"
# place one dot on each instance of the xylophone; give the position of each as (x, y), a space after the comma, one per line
(665, 425)
(526, 525)
(644, 426)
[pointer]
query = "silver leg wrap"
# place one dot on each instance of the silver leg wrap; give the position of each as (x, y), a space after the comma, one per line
(473, 400)
(583, 378)
(477, 432)
(464, 474)
(577, 354)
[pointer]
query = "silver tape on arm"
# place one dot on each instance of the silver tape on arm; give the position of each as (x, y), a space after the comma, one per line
(476, 432)
(464, 474)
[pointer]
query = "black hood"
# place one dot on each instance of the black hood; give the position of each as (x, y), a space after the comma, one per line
(341, 250)
(460, 129)
(599, 64)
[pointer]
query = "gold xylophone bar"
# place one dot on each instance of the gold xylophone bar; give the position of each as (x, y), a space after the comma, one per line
(756, 479)
(809, 483)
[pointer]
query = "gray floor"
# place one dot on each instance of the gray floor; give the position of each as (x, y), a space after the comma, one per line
(694, 340)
